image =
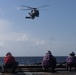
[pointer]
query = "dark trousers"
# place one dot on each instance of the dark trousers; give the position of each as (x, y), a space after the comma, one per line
(70, 65)
(13, 66)
(52, 65)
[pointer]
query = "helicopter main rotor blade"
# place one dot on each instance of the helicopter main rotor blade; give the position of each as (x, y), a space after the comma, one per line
(23, 9)
(26, 6)
(43, 6)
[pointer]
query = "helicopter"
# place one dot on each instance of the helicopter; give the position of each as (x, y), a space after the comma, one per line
(33, 13)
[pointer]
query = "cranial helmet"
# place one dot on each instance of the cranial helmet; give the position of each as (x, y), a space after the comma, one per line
(8, 53)
(72, 53)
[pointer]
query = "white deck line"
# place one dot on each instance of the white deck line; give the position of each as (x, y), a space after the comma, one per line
(28, 73)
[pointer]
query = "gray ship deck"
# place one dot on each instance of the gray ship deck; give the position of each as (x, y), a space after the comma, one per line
(37, 70)
(42, 73)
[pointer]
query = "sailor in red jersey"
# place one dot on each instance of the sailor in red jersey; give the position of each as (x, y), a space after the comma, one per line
(10, 62)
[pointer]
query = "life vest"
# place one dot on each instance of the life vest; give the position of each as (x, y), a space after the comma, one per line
(9, 59)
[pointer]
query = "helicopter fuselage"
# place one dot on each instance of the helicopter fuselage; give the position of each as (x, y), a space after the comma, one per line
(34, 13)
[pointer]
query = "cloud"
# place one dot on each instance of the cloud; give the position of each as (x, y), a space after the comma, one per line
(20, 37)
(40, 42)
(19, 42)
(23, 44)
(23, 38)
(33, 40)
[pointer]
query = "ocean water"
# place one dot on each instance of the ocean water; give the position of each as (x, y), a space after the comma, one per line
(33, 60)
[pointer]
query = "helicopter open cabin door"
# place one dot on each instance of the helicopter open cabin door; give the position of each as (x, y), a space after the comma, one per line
(34, 11)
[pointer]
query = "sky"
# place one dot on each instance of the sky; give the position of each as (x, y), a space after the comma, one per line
(54, 29)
